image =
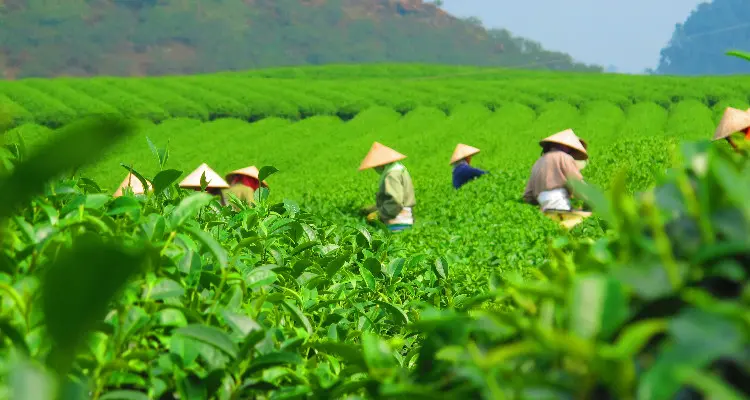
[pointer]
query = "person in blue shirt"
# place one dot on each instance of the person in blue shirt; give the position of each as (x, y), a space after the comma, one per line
(463, 172)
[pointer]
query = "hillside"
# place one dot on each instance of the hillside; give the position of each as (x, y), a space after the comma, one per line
(146, 37)
(698, 45)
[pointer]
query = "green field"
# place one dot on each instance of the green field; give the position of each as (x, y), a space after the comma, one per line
(315, 125)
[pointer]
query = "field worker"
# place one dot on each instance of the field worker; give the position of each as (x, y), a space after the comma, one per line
(733, 121)
(132, 182)
(548, 186)
(243, 183)
(395, 197)
(463, 172)
(215, 182)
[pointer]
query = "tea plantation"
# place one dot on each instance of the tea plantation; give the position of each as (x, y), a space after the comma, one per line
(171, 296)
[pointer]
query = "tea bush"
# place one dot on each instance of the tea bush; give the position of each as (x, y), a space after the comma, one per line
(344, 91)
(172, 296)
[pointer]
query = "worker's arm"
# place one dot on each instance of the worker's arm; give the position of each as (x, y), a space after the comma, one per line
(368, 210)
(528, 194)
(394, 193)
(571, 172)
(472, 172)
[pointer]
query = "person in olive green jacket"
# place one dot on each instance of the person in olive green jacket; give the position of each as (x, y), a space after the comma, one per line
(395, 198)
(243, 183)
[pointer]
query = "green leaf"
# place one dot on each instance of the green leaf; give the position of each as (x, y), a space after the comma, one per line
(335, 265)
(76, 144)
(30, 382)
(739, 54)
(241, 323)
(213, 246)
(596, 198)
(265, 172)
(398, 314)
(633, 338)
(204, 183)
(698, 338)
(124, 395)
(348, 352)
(10, 332)
(137, 174)
(77, 289)
(96, 201)
(369, 279)
(261, 195)
(365, 233)
(597, 306)
(160, 154)
(440, 267)
(211, 336)
(164, 289)
(378, 356)
(395, 267)
(302, 247)
(291, 207)
(711, 385)
(374, 266)
(258, 278)
(164, 179)
(189, 207)
(298, 316)
(125, 205)
(273, 359)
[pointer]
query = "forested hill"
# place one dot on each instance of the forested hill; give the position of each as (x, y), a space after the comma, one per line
(158, 37)
(698, 46)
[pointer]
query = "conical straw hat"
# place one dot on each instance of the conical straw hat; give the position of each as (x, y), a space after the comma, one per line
(462, 151)
(380, 155)
(567, 138)
(251, 171)
(732, 121)
(134, 183)
(194, 179)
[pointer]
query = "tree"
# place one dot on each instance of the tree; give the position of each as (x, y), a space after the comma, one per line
(697, 46)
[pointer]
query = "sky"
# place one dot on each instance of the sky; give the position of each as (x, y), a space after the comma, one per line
(627, 34)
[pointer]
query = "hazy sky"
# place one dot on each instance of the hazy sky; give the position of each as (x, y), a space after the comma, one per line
(625, 33)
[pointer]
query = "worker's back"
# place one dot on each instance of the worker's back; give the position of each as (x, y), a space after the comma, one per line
(551, 171)
(405, 186)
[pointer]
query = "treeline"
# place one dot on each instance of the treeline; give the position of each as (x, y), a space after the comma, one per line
(698, 46)
(146, 37)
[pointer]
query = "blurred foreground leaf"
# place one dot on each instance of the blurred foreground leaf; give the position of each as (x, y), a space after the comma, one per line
(77, 289)
(75, 145)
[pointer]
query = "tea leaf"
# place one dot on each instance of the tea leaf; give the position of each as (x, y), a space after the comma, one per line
(209, 335)
(165, 179)
(93, 272)
(265, 172)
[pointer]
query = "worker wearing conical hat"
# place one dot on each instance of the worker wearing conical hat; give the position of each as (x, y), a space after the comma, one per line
(215, 182)
(548, 186)
(733, 121)
(132, 182)
(243, 183)
(395, 197)
(463, 172)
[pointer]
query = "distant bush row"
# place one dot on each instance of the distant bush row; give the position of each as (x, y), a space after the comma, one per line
(251, 97)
